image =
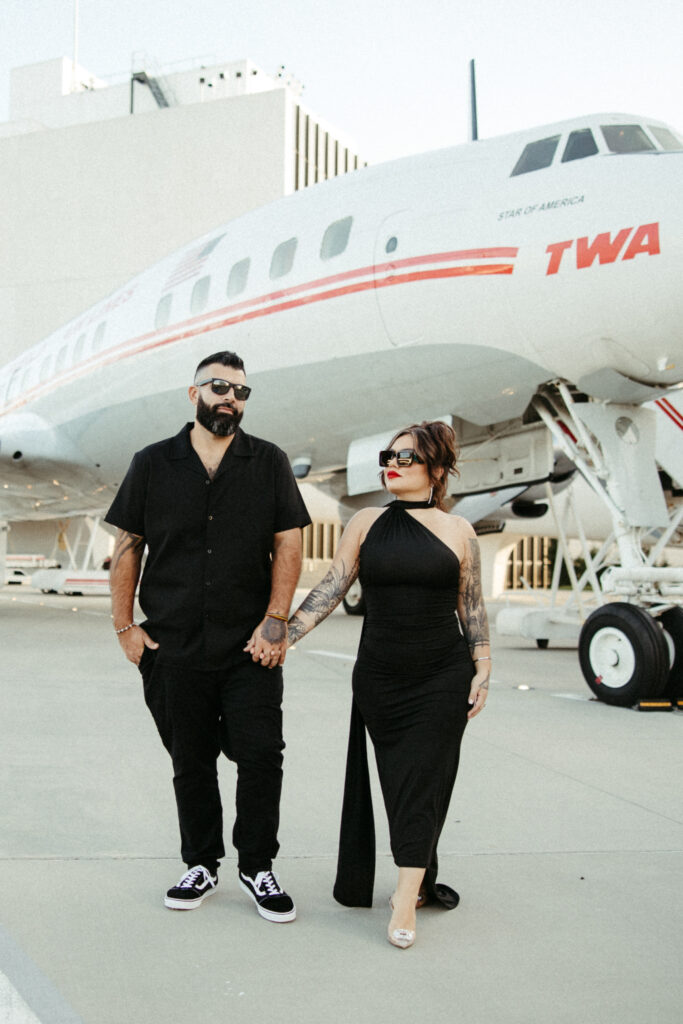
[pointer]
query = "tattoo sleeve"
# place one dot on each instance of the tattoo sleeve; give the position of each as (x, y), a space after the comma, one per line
(124, 574)
(322, 600)
(471, 610)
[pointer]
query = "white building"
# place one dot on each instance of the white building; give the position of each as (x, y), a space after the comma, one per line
(99, 180)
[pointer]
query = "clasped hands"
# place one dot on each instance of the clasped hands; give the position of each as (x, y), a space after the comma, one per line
(268, 642)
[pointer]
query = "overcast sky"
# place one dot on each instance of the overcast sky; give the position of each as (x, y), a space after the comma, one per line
(393, 76)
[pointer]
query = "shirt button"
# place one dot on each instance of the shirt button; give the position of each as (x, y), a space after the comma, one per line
(208, 583)
(207, 482)
(209, 551)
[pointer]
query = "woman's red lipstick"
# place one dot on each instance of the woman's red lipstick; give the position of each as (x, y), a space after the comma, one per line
(391, 474)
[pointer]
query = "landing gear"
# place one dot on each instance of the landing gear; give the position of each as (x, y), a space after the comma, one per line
(354, 602)
(623, 654)
(631, 641)
(672, 624)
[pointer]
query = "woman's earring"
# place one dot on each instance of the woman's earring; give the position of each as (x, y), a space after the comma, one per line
(431, 494)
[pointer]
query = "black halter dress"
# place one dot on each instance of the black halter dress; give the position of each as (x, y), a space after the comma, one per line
(411, 685)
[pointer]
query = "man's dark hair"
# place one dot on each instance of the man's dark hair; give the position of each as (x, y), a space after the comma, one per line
(224, 358)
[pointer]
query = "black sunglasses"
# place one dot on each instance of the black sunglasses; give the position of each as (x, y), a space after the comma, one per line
(222, 387)
(406, 457)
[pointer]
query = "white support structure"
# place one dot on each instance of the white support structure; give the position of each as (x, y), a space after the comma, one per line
(613, 447)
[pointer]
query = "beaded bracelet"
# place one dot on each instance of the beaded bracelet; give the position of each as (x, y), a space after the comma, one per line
(481, 659)
(124, 628)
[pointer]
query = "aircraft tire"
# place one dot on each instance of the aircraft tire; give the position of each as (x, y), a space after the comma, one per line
(623, 654)
(672, 624)
(542, 643)
(354, 602)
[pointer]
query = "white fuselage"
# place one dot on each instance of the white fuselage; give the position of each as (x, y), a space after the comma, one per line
(460, 290)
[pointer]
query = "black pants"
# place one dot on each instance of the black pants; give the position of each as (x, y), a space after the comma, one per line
(198, 714)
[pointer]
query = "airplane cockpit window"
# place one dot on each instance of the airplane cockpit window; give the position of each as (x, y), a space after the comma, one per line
(666, 138)
(78, 349)
(580, 144)
(61, 359)
(336, 238)
(162, 316)
(392, 244)
(237, 278)
(536, 155)
(200, 295)
(283, 258)
(626, 138)
(98, 337)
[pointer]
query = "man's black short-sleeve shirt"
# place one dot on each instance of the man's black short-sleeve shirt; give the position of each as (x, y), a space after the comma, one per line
(206, 581)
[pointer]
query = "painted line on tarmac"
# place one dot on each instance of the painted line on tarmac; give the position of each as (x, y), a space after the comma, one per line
(26, 995)
(570, 696)
(334, 654)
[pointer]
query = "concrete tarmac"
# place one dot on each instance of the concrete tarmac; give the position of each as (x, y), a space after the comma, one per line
(564, 839)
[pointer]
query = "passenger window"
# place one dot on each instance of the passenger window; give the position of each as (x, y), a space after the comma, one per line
(45, 369)
(78, 349)
(579, 145)
(163, 314)
(626, 138)
(283, 258)
(237, 279)
(536, 155)
(336, 238)
(13, 389)
(61, 359)
(98, 337)
(666, 138)
(200, 295)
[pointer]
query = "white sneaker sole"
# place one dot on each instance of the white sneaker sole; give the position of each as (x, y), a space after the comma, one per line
(268, 914)
(174, 904)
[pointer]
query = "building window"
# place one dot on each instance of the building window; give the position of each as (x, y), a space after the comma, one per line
(163, 314)
(336, 238)
(283, 258)
(626, 138)
(536, 155)
(580, 144)
(200, 295)
(237, 279)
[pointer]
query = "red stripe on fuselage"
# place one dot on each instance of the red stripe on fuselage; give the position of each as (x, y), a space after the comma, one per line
(203, 323)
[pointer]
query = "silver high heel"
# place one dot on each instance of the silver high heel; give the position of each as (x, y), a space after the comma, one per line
(401, 937)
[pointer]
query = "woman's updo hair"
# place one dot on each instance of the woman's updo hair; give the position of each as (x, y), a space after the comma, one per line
(434, 442)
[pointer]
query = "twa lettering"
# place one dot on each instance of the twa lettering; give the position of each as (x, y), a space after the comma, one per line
(606, 249)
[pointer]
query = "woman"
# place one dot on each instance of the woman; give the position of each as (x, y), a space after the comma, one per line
(421, 671)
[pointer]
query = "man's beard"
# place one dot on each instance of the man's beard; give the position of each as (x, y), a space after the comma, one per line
(222, 424)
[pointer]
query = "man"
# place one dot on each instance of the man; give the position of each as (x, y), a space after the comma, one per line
(221, 515)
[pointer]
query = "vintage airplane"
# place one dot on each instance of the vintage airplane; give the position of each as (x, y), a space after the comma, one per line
(527, 287)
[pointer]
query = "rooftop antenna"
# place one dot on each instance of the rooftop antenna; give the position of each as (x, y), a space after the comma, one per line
(474, 130)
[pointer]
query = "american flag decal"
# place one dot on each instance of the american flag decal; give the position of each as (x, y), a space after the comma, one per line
(191, 263)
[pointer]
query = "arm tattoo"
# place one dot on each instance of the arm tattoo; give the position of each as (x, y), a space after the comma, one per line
(475, 622)
(322, 600)
(125, 543)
